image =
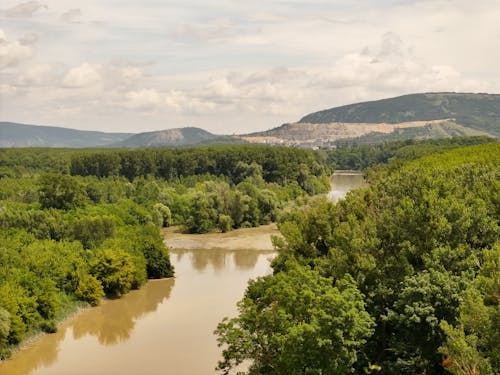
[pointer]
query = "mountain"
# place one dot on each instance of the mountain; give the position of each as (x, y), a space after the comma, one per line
(179, 137)
(419, 116)
(21, 135)
(476, 111)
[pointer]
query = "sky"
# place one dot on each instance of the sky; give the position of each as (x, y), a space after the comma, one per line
(233, 66)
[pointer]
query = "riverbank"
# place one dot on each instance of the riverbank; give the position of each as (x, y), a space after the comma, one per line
(258, 238)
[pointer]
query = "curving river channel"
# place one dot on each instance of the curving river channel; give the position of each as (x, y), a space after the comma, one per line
(167, 326)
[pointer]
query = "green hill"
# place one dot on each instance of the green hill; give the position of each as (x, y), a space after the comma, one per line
(21, 135)
(477, 111)
(179, 137)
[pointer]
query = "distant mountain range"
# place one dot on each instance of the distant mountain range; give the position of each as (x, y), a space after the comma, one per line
(415, 116)
(21, 135)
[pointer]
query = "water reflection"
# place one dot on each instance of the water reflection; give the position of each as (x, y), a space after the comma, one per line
(219, 259)
(111, 322)
(343, 182)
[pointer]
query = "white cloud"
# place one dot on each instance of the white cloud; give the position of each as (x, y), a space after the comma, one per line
(72, 15)
(26, 9)
(144, 99)
(84, 75)
(12, 52)
(216, 29)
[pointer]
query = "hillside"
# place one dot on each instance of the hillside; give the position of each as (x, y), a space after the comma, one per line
(178, 137)
(21, 135)
(476, 111)
(416, 116)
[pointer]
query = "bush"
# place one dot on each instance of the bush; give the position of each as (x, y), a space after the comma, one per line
(115, 269)
(49, 326)
(225, 223)
(89, 290)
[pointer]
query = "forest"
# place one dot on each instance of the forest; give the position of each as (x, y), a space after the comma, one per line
(401, 277)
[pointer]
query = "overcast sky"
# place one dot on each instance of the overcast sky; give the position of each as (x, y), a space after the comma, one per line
(233, 66)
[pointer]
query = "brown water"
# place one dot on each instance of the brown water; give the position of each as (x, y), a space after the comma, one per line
(166, 327)
(343, 182)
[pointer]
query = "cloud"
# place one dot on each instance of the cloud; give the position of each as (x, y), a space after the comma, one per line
(26, 9)
(12, 53)
(28, 39)
(213, 30)
(170, 100)
(84, 75)
(144, 99)
(392, 66)
(72, 16)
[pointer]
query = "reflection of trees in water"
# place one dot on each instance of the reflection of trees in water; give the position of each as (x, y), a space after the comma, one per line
(246, 260)
(34, 357)
(219, 259)
(200, 259)
(114, 321)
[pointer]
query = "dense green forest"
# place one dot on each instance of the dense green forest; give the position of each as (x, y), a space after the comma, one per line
(401, 277)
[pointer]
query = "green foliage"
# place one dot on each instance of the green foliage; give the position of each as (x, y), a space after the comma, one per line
(60, 191)
(421, 243)
(4, 325)
(114, 268)
(49, 326)
(156, 254)
(92, 231)
(89, 290)
(164, 215)
(296, 323)
(225, 223)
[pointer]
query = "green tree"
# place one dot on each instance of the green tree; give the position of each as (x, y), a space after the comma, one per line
(60, 191)
(115, 270)
(296, 323)
(89, 290)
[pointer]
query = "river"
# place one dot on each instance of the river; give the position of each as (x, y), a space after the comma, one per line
(167, 326)
(343, 181)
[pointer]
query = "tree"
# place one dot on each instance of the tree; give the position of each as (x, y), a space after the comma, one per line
(164, 214)
(115, 270)
(296, 323)
(225, 223)
(89, 290)
(4, 326)
(92, 231)
(154, 251)
(60, 191)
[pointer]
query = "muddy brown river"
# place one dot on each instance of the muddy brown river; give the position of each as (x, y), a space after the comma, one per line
(167, 326)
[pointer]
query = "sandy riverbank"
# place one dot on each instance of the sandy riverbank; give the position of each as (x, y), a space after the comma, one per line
(258, 238)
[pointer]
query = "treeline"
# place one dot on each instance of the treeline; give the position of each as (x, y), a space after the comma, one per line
(401, 277)
(276, 164)
(347, 155)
